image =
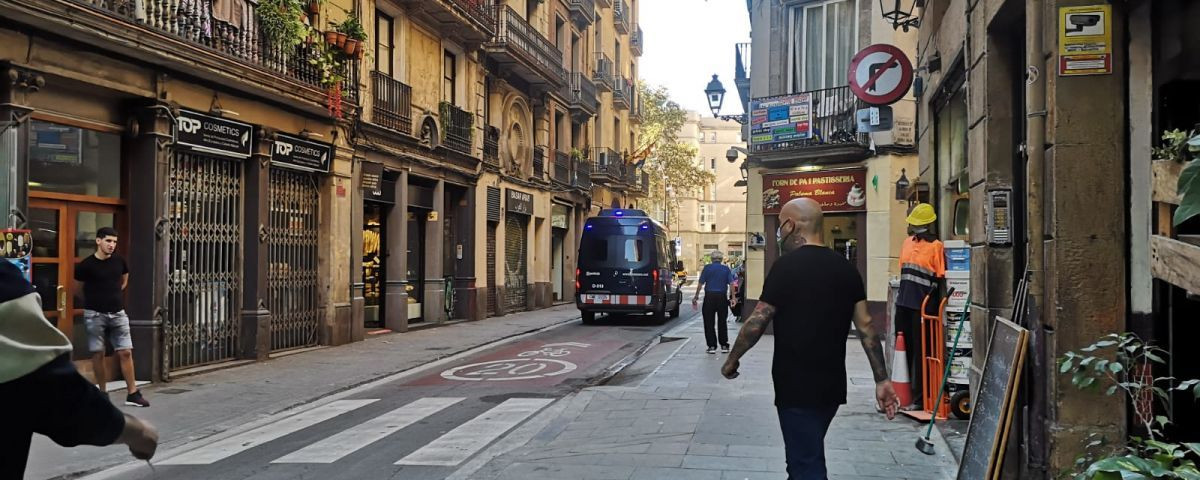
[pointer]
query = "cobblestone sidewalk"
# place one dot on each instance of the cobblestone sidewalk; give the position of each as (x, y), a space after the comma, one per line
(685, 421)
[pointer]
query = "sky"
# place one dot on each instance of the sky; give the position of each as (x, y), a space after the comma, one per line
(686, 42)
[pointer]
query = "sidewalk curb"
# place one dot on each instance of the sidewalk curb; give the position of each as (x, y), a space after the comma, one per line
(115, 471)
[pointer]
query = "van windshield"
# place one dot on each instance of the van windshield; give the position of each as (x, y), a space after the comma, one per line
(613, 251)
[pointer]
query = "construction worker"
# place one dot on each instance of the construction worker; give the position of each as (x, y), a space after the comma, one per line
(922, 270)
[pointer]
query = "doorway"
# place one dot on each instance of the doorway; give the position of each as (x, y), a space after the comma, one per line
(374, 267)
(64, 233)
(843, 233)
(556, 257)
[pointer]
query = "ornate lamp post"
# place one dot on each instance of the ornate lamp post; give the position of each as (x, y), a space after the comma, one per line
(902, 13)
(716, 97)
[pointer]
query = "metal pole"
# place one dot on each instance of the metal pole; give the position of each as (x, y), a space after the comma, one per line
(1035, 147)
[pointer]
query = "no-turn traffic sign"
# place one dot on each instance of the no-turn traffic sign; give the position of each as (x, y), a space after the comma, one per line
(880, 74)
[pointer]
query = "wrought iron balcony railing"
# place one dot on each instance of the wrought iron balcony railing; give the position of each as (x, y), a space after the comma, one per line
(832, 122)
(583, 175)
(604, 3)
(539, 162)
(582, 95)
(392, 106)
(491, 146)
(470, 20)
(622, 92)
(583, 12)
(741, 74)
(635, 41)
(607, 166)
(602, 76)
(562, 168)
(518, 43)
(622, 16)
(231, 31)
(636, 108)
(457, 126)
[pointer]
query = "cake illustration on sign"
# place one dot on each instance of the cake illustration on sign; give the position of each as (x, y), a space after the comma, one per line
(857, 197)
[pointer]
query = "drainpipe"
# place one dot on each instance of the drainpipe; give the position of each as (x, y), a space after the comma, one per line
(1042, 325)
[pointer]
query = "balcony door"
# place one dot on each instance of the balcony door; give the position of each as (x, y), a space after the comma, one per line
(822, 41)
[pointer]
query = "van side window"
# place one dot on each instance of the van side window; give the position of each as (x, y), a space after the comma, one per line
(634, 250)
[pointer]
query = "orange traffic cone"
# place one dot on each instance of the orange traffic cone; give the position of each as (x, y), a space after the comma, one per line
(900, 373)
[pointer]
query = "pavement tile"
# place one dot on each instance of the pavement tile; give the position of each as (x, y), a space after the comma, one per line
(707, 449)
(533, 471)
(712, 462)
(657, 473)
(759, 451)
(673, 447)
(644, 460)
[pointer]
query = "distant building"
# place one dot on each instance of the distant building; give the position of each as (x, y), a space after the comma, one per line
(713, 218)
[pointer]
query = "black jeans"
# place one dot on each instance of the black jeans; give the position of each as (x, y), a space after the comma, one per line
(55, 401)
(908, 322)
(715, 312)
(804, 431)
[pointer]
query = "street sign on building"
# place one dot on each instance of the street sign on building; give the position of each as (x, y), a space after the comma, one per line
(775, 121)
(880, 74)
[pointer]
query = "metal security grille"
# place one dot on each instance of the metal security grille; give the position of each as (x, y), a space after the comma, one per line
(204, 260)
(491, 268)
(292, 259)
(515, 268)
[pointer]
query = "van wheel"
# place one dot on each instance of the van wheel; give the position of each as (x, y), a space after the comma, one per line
(589, 318)
(660, 315)
(675, 311)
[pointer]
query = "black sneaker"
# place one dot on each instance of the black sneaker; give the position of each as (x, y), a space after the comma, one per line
(711, 350)
(724, 348)
(136, 399)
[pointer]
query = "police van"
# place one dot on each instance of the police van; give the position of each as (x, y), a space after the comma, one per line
(625, 267)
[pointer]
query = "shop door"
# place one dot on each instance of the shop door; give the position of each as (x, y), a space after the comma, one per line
(515, 263)
(491, 268)
(292, 259)
(556, 267)
(64, 233)
(373, 264)
(204, 260)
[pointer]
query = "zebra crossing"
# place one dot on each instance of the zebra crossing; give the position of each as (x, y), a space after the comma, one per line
(448, 450)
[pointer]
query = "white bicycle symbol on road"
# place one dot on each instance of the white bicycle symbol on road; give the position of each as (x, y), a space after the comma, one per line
(531, 364)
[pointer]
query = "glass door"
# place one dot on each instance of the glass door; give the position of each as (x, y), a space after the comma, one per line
(64, 233)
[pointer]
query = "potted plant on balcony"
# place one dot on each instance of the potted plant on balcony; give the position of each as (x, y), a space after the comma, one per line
(355, 34)
(282, 22)
(330, 64)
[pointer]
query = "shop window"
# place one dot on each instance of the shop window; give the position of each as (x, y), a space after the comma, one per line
(383, 43)
(65, 159)
(822, 41)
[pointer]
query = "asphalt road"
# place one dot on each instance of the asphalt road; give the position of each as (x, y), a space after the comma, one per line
(424, 426)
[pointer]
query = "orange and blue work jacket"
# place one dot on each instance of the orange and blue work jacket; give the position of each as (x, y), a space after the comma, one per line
(922, 264)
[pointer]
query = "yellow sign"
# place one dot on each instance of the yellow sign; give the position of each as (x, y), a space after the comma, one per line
(433, 216)
(1085, 40)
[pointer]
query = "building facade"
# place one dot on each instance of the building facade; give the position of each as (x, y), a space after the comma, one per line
(803, 48)
(278, 186)
(713, 218)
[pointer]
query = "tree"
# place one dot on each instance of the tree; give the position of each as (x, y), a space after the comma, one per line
(671, 165)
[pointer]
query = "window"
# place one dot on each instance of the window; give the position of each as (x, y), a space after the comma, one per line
(66, 159)
(383, 43)
(593, 248)
(709, 247)
(821, 44)
(950, 155)
(962, 217)
(634, 252)
(713, 163)
(712, 137)
(449, 77)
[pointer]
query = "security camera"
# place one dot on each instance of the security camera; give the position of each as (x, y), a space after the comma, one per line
(731, 155)
(1080, 21)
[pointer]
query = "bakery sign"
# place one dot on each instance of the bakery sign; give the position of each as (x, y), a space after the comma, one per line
(836, 190)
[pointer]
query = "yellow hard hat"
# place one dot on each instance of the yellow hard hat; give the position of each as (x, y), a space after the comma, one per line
(922, 214)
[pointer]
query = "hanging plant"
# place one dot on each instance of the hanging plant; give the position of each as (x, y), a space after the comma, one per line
(331, 65)
(1183, 146)
(282, 22)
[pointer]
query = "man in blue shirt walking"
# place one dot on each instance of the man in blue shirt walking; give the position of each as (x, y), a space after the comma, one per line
(714, 282)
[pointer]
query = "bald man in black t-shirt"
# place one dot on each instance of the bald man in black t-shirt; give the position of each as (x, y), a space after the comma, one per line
(812, 294)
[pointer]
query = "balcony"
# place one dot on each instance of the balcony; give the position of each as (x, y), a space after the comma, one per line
(622, 92)
(491, 146)
(392, 106)
(834, 135)
(604, 3)
(457, 126)
(622, 16)
(583, 12)
(539, 162)
(636, 110)
(582, 97)
(222, 46)
(562, 168)
(602, 76)
(583, 174)
(519, 47)
(635, 41)
(741, 74)
(607, 166)
(470, 21)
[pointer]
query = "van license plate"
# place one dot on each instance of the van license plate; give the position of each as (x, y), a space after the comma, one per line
(599, 298)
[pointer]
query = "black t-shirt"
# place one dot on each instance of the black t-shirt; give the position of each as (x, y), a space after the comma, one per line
(102, 283)
(814, 291)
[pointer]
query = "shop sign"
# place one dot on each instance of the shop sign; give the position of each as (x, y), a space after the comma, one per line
(558, 216)
(214, 135)
(300, 154)
(386, 193)
(17, 246)
(1085, 40)
(778, 120)
(371, 177)
(520, 202)
(836, 191)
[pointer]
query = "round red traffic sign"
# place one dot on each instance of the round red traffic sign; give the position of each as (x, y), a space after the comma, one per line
(880, 74)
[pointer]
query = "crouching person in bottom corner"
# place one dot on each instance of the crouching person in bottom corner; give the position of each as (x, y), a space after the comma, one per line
(35, 362)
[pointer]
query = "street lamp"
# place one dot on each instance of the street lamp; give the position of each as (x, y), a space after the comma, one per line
(900, 13)
(716, 97)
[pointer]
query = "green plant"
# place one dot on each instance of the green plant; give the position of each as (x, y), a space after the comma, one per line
(1181, 146)
(579, 155)
(282, 22)
(353, 28)
(1124, 363)
(330, 64)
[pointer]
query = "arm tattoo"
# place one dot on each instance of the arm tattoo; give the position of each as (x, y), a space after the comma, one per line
(753, 330)
(872, 342)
